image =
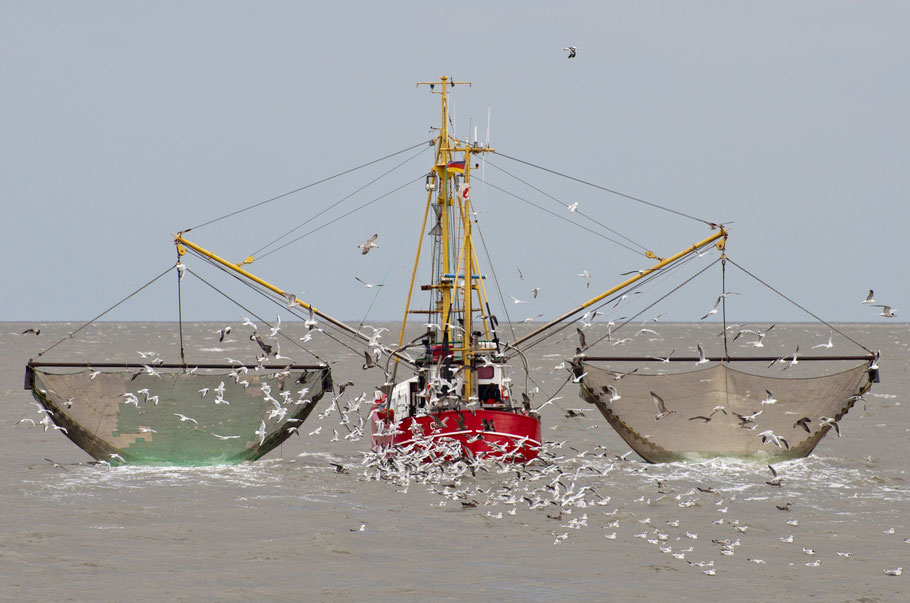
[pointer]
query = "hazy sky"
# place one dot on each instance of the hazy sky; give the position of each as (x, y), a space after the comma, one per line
(126, 122)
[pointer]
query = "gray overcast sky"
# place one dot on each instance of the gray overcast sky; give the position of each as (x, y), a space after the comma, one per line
(126, 122)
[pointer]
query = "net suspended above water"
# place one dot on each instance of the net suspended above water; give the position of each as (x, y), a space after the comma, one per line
(163, 417)
(721, 411)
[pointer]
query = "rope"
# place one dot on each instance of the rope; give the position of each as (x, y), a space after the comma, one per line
(180, 314)
(312, 184)
(337, 203)
(563, 218)
(502, 300)
(330, 222)
(617, 233)
(658, 300)
(603, 188)
(838, 331)
(72, 335)
(723, 301)
(259, 318)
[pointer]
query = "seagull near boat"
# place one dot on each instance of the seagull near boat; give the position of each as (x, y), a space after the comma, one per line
(368, 244)
(887, 311)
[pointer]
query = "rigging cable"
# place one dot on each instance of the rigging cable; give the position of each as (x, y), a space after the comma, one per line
(603, 188)
(180, 309)
(72, 334)
(337, 203)
(662, 272)
(312, 184)
(617, 233)
(330, 222)
(256, 316)
(563, 218)
(496, 282)
(838, 331)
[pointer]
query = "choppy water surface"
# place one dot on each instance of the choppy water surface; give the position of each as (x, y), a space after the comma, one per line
(585, 524)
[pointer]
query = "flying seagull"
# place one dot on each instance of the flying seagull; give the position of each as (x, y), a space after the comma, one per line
(587, 276)
(366, 284)
(661, 407)
(369, 244)
(869, 299)
(572, 51)
(887, 311)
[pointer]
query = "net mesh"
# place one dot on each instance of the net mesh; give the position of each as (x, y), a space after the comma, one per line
(139, 417)
(682, 435)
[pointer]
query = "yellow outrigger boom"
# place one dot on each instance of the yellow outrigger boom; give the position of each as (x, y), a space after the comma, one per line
(720, 237)
(182, 243)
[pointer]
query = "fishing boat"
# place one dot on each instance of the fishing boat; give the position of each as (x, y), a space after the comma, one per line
(463, 387)
(457, 389)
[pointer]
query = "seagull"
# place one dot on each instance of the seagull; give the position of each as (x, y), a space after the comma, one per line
(221, 437)
(222, 333)
(147, 430)
(258, 339)
(366, 284)
(717, 303)
(701, 355)
(868, 299)
(369, 244)
(535, 291)
(793, 359)
(248, 322)
(582, 344)
(822, 421)
(804, 423)
(572, 50)
(661, 407)
(769, 398)
(261, 432)
(614, 393)
(118, 457)
(310, 322)
(828, 345)
(665, 360)
(32, 330)
(184, 418)
(548, 402)
(517, 301)
(292, 301)
(887, 311)
(274, 330)
(769, 435)
(776, 480)
(203, 391)
(573, 207)
(894, 572)
(587, 276)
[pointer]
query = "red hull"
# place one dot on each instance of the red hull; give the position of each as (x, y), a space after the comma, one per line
(507, 435)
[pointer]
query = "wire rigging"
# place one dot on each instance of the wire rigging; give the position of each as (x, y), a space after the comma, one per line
(563, 218)
(312, 184)
(337, 203)
(603, 188)
(542, 192)
(73, 334)
(341, 217)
